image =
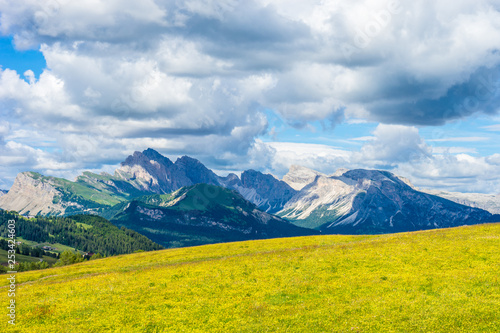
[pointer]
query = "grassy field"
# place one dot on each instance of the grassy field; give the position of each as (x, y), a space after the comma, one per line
(432, 281)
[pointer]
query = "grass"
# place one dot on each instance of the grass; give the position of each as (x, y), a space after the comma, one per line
(60, 247)
(432, 281)
(84, 225)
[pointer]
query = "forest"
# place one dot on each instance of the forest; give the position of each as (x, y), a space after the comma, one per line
(88, 233)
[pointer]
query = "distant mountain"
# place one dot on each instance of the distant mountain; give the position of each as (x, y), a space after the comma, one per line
(33, 194)
(267, 192)
(140, 174)
(371, 201)
(489, 202)
(3, 192)
(199, 214)
(152, 172)
(298, 177)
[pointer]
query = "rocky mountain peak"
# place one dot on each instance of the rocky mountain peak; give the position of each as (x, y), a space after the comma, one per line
(156, 156)
(230, 181)
(196, 171)
(150, 171)
(146, 158)
(488, 202)
(267, 192)
(188, 161)
(373, 201)
(298, 177)
(339, 172)
(137, 158)
(375, 178)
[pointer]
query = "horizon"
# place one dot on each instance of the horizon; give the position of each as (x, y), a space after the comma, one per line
(256, 85)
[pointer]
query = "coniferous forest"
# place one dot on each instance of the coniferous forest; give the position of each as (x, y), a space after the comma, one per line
(87, 233)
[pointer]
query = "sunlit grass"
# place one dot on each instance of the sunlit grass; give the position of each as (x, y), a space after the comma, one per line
(432, 281)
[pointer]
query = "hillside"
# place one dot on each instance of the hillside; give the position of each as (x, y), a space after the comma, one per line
(199, 214)
(432, 281)
(82, 232)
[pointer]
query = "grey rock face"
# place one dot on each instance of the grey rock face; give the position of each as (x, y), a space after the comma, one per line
(31, 194)
(151, 172)
(265, 191)
(196, 172)
(299, 177)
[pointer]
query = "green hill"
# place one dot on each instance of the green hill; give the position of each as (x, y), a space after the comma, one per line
(199, 214)
(445, 280)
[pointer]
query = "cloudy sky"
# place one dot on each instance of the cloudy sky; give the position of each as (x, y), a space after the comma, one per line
(411, 87)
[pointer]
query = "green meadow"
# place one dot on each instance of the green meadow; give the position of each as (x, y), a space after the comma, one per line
(433, 281)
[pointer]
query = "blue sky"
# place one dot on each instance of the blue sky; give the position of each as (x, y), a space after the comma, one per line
(21, 61)
(259, 84)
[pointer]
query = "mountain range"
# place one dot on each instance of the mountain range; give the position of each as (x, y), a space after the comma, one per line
(347, 201)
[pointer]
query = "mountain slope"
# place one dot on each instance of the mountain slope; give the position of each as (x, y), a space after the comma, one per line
(371, 202)
(34, 194)
(199, 214)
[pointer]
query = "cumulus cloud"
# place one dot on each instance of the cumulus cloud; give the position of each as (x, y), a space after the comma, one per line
(393, 144)
(196, 77)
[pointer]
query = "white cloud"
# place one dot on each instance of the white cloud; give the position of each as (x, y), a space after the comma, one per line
(393, 144)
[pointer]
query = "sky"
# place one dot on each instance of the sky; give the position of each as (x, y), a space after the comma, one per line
(409, 87)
